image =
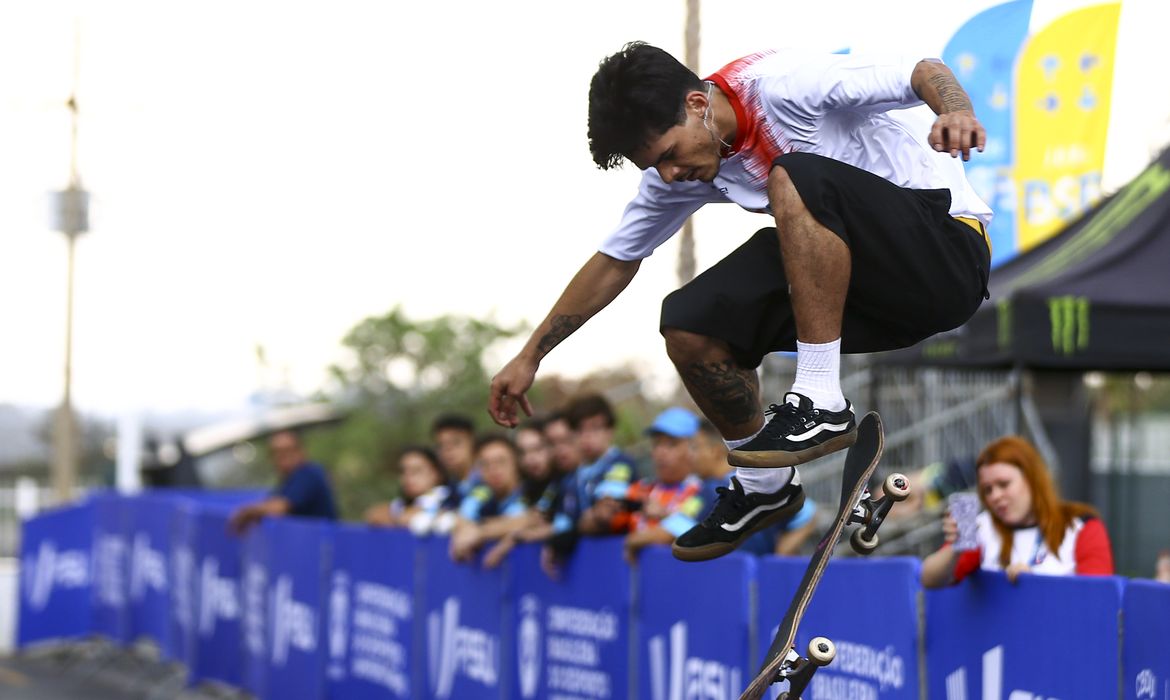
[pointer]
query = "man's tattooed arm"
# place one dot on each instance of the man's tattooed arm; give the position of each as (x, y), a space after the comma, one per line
(938, 87)
(561, 326)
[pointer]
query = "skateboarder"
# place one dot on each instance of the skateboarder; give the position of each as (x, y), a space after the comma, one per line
(878, 242)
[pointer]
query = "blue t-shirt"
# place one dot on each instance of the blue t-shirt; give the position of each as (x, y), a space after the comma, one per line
(609, 476)
(308, 492)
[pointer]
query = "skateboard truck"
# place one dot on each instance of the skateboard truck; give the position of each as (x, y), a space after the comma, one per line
(870, 512)
(798, 670)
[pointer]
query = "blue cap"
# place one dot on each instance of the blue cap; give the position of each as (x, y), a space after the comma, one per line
(676, 422)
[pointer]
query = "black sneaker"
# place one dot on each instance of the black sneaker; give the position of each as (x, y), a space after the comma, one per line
(736, 517)
(797, 434)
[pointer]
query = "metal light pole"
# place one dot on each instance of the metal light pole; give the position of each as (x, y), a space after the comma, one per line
(71, 211)
(686, 248)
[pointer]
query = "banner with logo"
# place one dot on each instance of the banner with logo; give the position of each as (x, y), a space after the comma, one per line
(1064, 83)
(111, 566)
(56, 598)
(867, 607)
(694, 626)
(371, 614)
(982, 54)
(256, 553)
(572, 633)
(297, 570)
(149, 522)
(464, 627)
(1043, 637)
(1147, 633)
(219, 635)
(182, 572)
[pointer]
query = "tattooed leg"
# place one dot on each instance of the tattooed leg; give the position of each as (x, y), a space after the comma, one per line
(726, 393)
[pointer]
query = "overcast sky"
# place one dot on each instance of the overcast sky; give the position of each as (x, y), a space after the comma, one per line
(270, 173)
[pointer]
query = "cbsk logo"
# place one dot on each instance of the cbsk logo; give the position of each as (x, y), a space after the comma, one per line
(109, 577)
(148, 568)
(682, 677)
(1146, 685)
(220, 598)
(183, 592)
(528, 646)
(47, 569)
(255, 587)
(992, 681)
(294, 624)
(455, 649)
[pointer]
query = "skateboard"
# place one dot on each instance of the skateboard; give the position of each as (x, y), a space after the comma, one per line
(783, 662)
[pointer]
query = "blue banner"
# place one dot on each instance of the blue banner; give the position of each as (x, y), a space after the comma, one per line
(572, 634)
(1145, 658)
(371, 615)
(297, 567)
(1044, 637)
(149, 521)
(255, 562)
(877, 644)
(219, 635)
(982, 54)
(464, 626)
(183, 568)
(56, 598)
(694, 631)
(111, 566)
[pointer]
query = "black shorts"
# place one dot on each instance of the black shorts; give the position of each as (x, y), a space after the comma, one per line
(916, 270)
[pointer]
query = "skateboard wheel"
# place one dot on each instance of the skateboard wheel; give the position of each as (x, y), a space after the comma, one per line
(821, 651)
(861, 544)
(897, 487)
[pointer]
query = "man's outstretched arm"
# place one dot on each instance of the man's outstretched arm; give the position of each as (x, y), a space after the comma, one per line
(956, 130)
(595, 285)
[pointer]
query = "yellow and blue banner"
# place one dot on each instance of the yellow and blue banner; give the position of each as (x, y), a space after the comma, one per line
(1064, 80)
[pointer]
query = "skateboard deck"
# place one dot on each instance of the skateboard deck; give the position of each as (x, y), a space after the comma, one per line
(782, 662)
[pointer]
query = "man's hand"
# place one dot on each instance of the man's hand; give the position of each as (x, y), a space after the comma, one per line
(508, 391)
(957, 133)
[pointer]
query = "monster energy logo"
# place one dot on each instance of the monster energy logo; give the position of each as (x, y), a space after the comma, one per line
(1003, 323)
(1070, 323)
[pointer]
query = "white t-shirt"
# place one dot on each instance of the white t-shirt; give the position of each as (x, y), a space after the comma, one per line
(859, 110)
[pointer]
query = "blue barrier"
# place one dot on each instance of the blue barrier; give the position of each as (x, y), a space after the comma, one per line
(694, 626)
(867, 607)
(56, 598)
(371, 615)
(304, 609)
(1145, 660)
(571, 634)
(218, 644)
(1043, 637)
(464, 625)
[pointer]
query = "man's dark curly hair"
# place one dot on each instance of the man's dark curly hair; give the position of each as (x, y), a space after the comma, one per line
(637, 93)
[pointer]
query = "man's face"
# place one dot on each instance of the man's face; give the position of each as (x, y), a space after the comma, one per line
(285, 450)
(563, 442)
(594, 437)
(497, 466)
(674, 458)
(456, 450)
(684, 152)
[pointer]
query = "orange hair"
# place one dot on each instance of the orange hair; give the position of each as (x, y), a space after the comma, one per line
(1053, 516)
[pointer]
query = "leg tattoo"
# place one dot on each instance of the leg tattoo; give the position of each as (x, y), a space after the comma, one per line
(728, 394)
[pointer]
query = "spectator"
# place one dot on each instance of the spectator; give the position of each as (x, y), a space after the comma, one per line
(495, 506)
(1024, 526)
(536, 462)
(605, 470)
(562, 440)
(423, 489)
(303, 490)
(662, 507)
(786, 537)
(1162, 566)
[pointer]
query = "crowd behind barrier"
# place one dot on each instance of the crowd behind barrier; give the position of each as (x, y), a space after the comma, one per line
(311, 609)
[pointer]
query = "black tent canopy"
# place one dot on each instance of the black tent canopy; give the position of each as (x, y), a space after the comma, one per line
(1095, 296)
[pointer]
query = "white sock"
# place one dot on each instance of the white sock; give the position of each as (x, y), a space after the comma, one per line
(736, 444)
(818, 374)
(764, 480)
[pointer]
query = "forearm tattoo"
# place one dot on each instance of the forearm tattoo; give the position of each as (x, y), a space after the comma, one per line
(560, 327)
(730, 391)
(950, 94)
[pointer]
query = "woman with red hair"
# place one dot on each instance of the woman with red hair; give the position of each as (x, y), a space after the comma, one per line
(1025, 527)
